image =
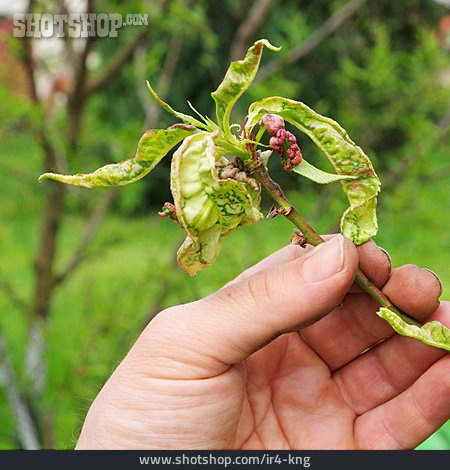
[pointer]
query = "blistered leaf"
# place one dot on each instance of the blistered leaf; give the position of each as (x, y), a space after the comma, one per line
(238, 78)
(207, 207)
(151, 149)
(315, 174)
(359, 222)
(183, 117)
(432, 333)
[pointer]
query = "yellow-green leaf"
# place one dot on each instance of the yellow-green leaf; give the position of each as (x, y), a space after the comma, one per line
(315, 174)
(238, 78)
(359, 221)
(151, 149)
(207, 207)
(209, 125)
(432, 333)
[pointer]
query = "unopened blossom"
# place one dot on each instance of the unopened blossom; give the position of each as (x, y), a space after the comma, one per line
(272, 122)
(285, 143)
(168, 210)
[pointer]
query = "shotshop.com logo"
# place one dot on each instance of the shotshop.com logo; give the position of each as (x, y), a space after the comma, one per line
(74, 25)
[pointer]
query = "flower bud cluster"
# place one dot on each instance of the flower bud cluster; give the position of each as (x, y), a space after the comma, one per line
(168, 210)
(282, 141)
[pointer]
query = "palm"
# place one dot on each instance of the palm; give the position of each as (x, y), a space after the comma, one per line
(313, 389)
(306, 390)
(292, 401)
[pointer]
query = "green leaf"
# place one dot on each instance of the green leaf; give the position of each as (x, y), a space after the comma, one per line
(183, 117)
(238, 78)
(359, 221)
(207, 207)
(432, 333)
(318, 176)
(151, 149)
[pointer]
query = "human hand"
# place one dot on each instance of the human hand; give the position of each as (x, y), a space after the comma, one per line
(274, 361)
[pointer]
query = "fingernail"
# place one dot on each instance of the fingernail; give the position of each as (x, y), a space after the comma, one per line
(388, 257)
(325, 261)
(437, 279)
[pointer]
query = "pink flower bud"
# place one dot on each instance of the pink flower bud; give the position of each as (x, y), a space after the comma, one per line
(296, 160)
(275, 144)
(282, 133)
(272, 123)
(168, 210)
(291, 138)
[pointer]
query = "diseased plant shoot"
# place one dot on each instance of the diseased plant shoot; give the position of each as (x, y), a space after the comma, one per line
(217, 175)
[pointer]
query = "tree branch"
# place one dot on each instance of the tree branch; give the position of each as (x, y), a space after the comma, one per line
(26, 428)
(249, 27)
(327, 29)
(116, 63)
(67, 38)
(12, 295)
(91, 229)
(286, 208)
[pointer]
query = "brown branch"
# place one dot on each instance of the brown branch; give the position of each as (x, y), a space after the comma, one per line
(287, 209)
(77, 96)
(91, 229)
(306, 47)
(12, 295)
(80, 64)
(98, 81)
(25, 425)
(249, 27)
(71, 55)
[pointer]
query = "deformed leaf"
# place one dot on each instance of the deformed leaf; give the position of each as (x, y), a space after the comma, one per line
(151, 149)
(183, 117)
(114, 174)
(238, 78)
(432, 333)
(207, 207)
(154, 145)
(359, 222)
(315, 174)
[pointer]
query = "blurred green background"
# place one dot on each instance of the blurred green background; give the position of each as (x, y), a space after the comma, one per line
(81, 272)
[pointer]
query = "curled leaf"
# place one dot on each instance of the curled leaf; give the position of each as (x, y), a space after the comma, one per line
(151, 149)
(359, 222)
(207, 207)
(432, 333)
(238, 78)
(318, 176)
(183, 117)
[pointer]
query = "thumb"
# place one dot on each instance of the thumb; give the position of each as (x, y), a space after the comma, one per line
(228, 326)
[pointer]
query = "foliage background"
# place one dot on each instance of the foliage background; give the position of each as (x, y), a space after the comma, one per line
(384, 74)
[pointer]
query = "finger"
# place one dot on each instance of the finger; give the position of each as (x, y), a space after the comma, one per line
(355, 327)
(411, 417)
(375, 262)
(410, 288)
(207, 336)
(388, 369)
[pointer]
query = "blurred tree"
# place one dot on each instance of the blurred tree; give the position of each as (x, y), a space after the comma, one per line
(376, 66)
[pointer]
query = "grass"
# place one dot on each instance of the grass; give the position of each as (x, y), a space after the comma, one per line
(130, 274)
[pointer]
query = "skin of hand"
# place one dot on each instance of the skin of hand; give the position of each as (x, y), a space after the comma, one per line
(274, 360)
